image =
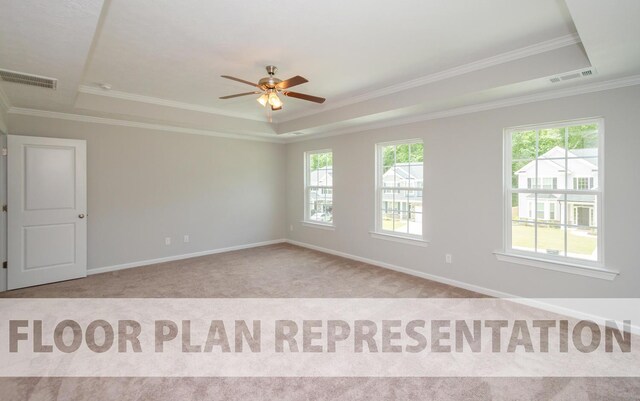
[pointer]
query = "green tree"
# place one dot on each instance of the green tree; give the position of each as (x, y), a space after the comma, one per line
(321, 160)
(523, 144)
(405, 153)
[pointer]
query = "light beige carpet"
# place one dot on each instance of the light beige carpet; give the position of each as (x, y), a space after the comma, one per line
(285, 271)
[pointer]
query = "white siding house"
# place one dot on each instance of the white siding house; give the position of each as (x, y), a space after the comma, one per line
(321, 199)
(581, 174)
(407, 204)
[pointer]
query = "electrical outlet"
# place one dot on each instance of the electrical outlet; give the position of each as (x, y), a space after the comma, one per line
(167, 241)
(448, 258)
(186, 239)
(290, 227)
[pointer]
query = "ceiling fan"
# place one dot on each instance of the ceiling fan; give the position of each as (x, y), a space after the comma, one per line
(271, 86)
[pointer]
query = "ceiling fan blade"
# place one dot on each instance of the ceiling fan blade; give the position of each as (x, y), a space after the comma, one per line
(239, 94)
(239, 80)
(304, 97)
(297, 80)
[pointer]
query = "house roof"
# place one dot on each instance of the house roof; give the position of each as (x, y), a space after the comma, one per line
(586, 155)
(543, 196)
(414, 171)
(589, 153)
(321, 177)
(582, 198)
(572, 199)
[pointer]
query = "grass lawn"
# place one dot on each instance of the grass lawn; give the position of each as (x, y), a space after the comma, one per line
(578, 242)
(388, 225)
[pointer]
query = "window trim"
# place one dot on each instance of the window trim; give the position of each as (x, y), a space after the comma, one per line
(315, 224)
(305, 218)
(378, 232)
(560, 266)
(400, 239)
(562, 263)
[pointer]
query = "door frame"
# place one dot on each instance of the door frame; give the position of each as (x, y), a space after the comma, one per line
(587, 211)
(18, 217)
(3, 214)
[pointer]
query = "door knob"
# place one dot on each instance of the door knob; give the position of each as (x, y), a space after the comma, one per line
(81, 216)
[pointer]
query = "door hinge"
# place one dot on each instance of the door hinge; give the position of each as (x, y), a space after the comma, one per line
(4, 264)
(5, 152)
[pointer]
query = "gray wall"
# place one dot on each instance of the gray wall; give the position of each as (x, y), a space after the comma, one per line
(146, 185)
(463, 196)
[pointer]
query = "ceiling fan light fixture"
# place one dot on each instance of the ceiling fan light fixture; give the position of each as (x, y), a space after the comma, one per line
(263, 99)
(268, 88)
(275, 101)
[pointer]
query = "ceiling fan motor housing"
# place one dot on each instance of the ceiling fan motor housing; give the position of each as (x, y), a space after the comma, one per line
(269, 82)
(271, 69)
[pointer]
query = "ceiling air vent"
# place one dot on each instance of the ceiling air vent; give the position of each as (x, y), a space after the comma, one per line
(28, 79)
(573, 75)
(570, 76)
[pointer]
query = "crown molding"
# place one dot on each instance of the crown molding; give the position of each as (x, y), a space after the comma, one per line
(5, 105)
(4, 109)
(514, 101)
(497, 104)
(136, 124)
(90, 90)
(506, 57)
(528, 51)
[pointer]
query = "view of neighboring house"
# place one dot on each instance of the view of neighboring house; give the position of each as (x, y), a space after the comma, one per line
(582, 174)
(321, 198)
(404, 203)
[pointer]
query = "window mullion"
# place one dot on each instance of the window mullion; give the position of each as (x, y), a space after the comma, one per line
(390, 218)
(324, 159)
(566, 197)
(553, 156)
(535, 197)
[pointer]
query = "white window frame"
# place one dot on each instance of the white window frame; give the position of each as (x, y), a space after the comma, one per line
(379, 232)
(547, 261)
(306, 220)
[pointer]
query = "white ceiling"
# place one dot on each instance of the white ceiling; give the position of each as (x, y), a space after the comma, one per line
(164, 58)
(47, 38)
(178, 50)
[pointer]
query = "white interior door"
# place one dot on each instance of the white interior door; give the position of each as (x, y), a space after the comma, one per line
(47, 208)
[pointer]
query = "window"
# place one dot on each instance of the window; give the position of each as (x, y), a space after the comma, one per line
(543, 182)
(550, 183)
(582, 183)
(556, 169)
(319, 187)
(399, 183)
(540, 211)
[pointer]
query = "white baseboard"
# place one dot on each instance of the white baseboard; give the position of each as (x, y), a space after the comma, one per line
(534, 303)
(428, 276)
(139, 263)
(635, 329)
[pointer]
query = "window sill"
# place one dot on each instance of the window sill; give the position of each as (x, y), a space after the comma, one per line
(565, 267)
(399, 238)
(322, 226)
